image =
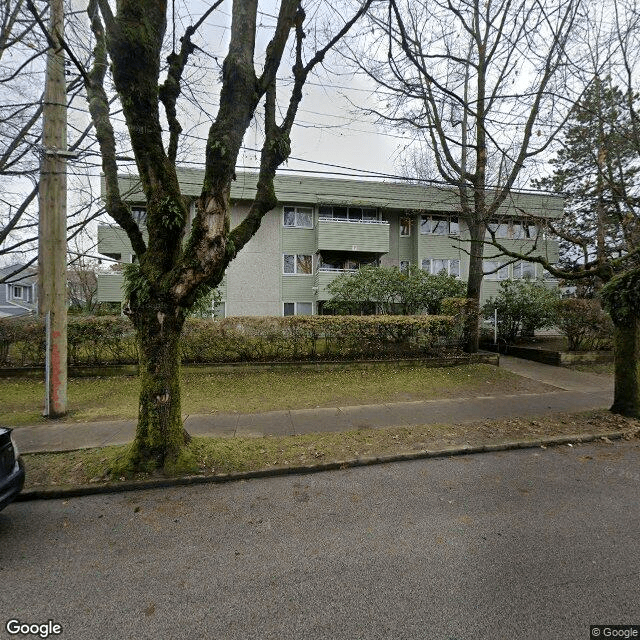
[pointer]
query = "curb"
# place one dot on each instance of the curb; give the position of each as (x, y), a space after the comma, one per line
(364, 461)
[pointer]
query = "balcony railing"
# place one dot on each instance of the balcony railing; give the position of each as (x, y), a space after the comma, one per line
(365, 236)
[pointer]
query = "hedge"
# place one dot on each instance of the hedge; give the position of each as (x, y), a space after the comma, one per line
(111, 339)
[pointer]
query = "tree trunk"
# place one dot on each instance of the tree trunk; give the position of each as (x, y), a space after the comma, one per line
(160, 435)
(474, 284)
(626, 400)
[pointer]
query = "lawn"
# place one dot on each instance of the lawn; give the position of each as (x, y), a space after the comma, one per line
(250, 390)
(209, 456)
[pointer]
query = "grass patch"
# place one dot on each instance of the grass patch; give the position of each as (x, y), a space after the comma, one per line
(251, 391)
(223, 455)
(602, 368)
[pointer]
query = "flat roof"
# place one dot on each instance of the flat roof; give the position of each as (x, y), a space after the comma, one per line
(316, 190)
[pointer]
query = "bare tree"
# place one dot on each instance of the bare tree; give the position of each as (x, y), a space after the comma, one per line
(82, 281)
(22, 49)
(178, 263)
(606, 234)
(479, 84)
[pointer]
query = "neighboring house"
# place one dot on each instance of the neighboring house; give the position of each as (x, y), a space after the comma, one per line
(19, 294)
(325, 226)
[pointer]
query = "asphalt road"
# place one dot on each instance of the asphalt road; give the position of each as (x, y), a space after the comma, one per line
(523, 544)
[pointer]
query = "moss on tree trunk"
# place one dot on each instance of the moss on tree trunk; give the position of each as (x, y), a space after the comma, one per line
(626, 399)
(471, 337)
(160, 435)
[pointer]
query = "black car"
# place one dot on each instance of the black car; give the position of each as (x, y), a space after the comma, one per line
(11, 469)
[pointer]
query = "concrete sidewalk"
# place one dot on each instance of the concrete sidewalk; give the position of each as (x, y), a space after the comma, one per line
(576, 391)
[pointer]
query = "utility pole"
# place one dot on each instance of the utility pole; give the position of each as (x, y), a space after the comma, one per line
(52, 234)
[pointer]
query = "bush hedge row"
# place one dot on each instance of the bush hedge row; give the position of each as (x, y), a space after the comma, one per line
(111, 339)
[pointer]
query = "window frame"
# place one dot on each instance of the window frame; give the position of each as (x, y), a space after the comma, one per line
(139, 214)
(296, 210)
(295, 308)
(216, 308)
(295, 271)
(498, 276)
(13, 291)
(448, 219)
(448, 262)
(518, 271)
(499, 224)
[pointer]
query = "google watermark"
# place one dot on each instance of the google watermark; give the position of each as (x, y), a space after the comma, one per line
(614, 631)
(40, 629)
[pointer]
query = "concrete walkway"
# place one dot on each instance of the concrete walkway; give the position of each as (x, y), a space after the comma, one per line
(576, 391)
(560, 377)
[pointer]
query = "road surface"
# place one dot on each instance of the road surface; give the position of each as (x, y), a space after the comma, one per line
(533, 544)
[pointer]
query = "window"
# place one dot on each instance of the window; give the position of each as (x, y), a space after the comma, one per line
(301, 217)
(439, 225)
(519, 231)
(326, 213)
(500, 229)
(18, 292)
(192, 213)
(297, 264)
(495, 270)
(405, 227)
(139, 214)
(355, 214)
(297, 309)
(349, 214)
(219, 310)
(404, 266)
(437, 265)
(524, 271)
(516, 229)
(524, 230)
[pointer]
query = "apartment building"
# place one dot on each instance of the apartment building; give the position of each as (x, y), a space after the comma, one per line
(324, 227)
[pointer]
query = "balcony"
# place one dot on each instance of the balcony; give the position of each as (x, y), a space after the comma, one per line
(363, 236)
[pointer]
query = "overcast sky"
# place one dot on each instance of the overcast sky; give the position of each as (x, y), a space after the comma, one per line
(328, 128)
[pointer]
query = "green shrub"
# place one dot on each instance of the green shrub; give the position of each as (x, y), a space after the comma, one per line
(91, 340)
(387, 290)
(523, 306)
(584, 323)
(239, 339)
(111, 340)
(453, 306)
(24, 340)
(96, 340)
